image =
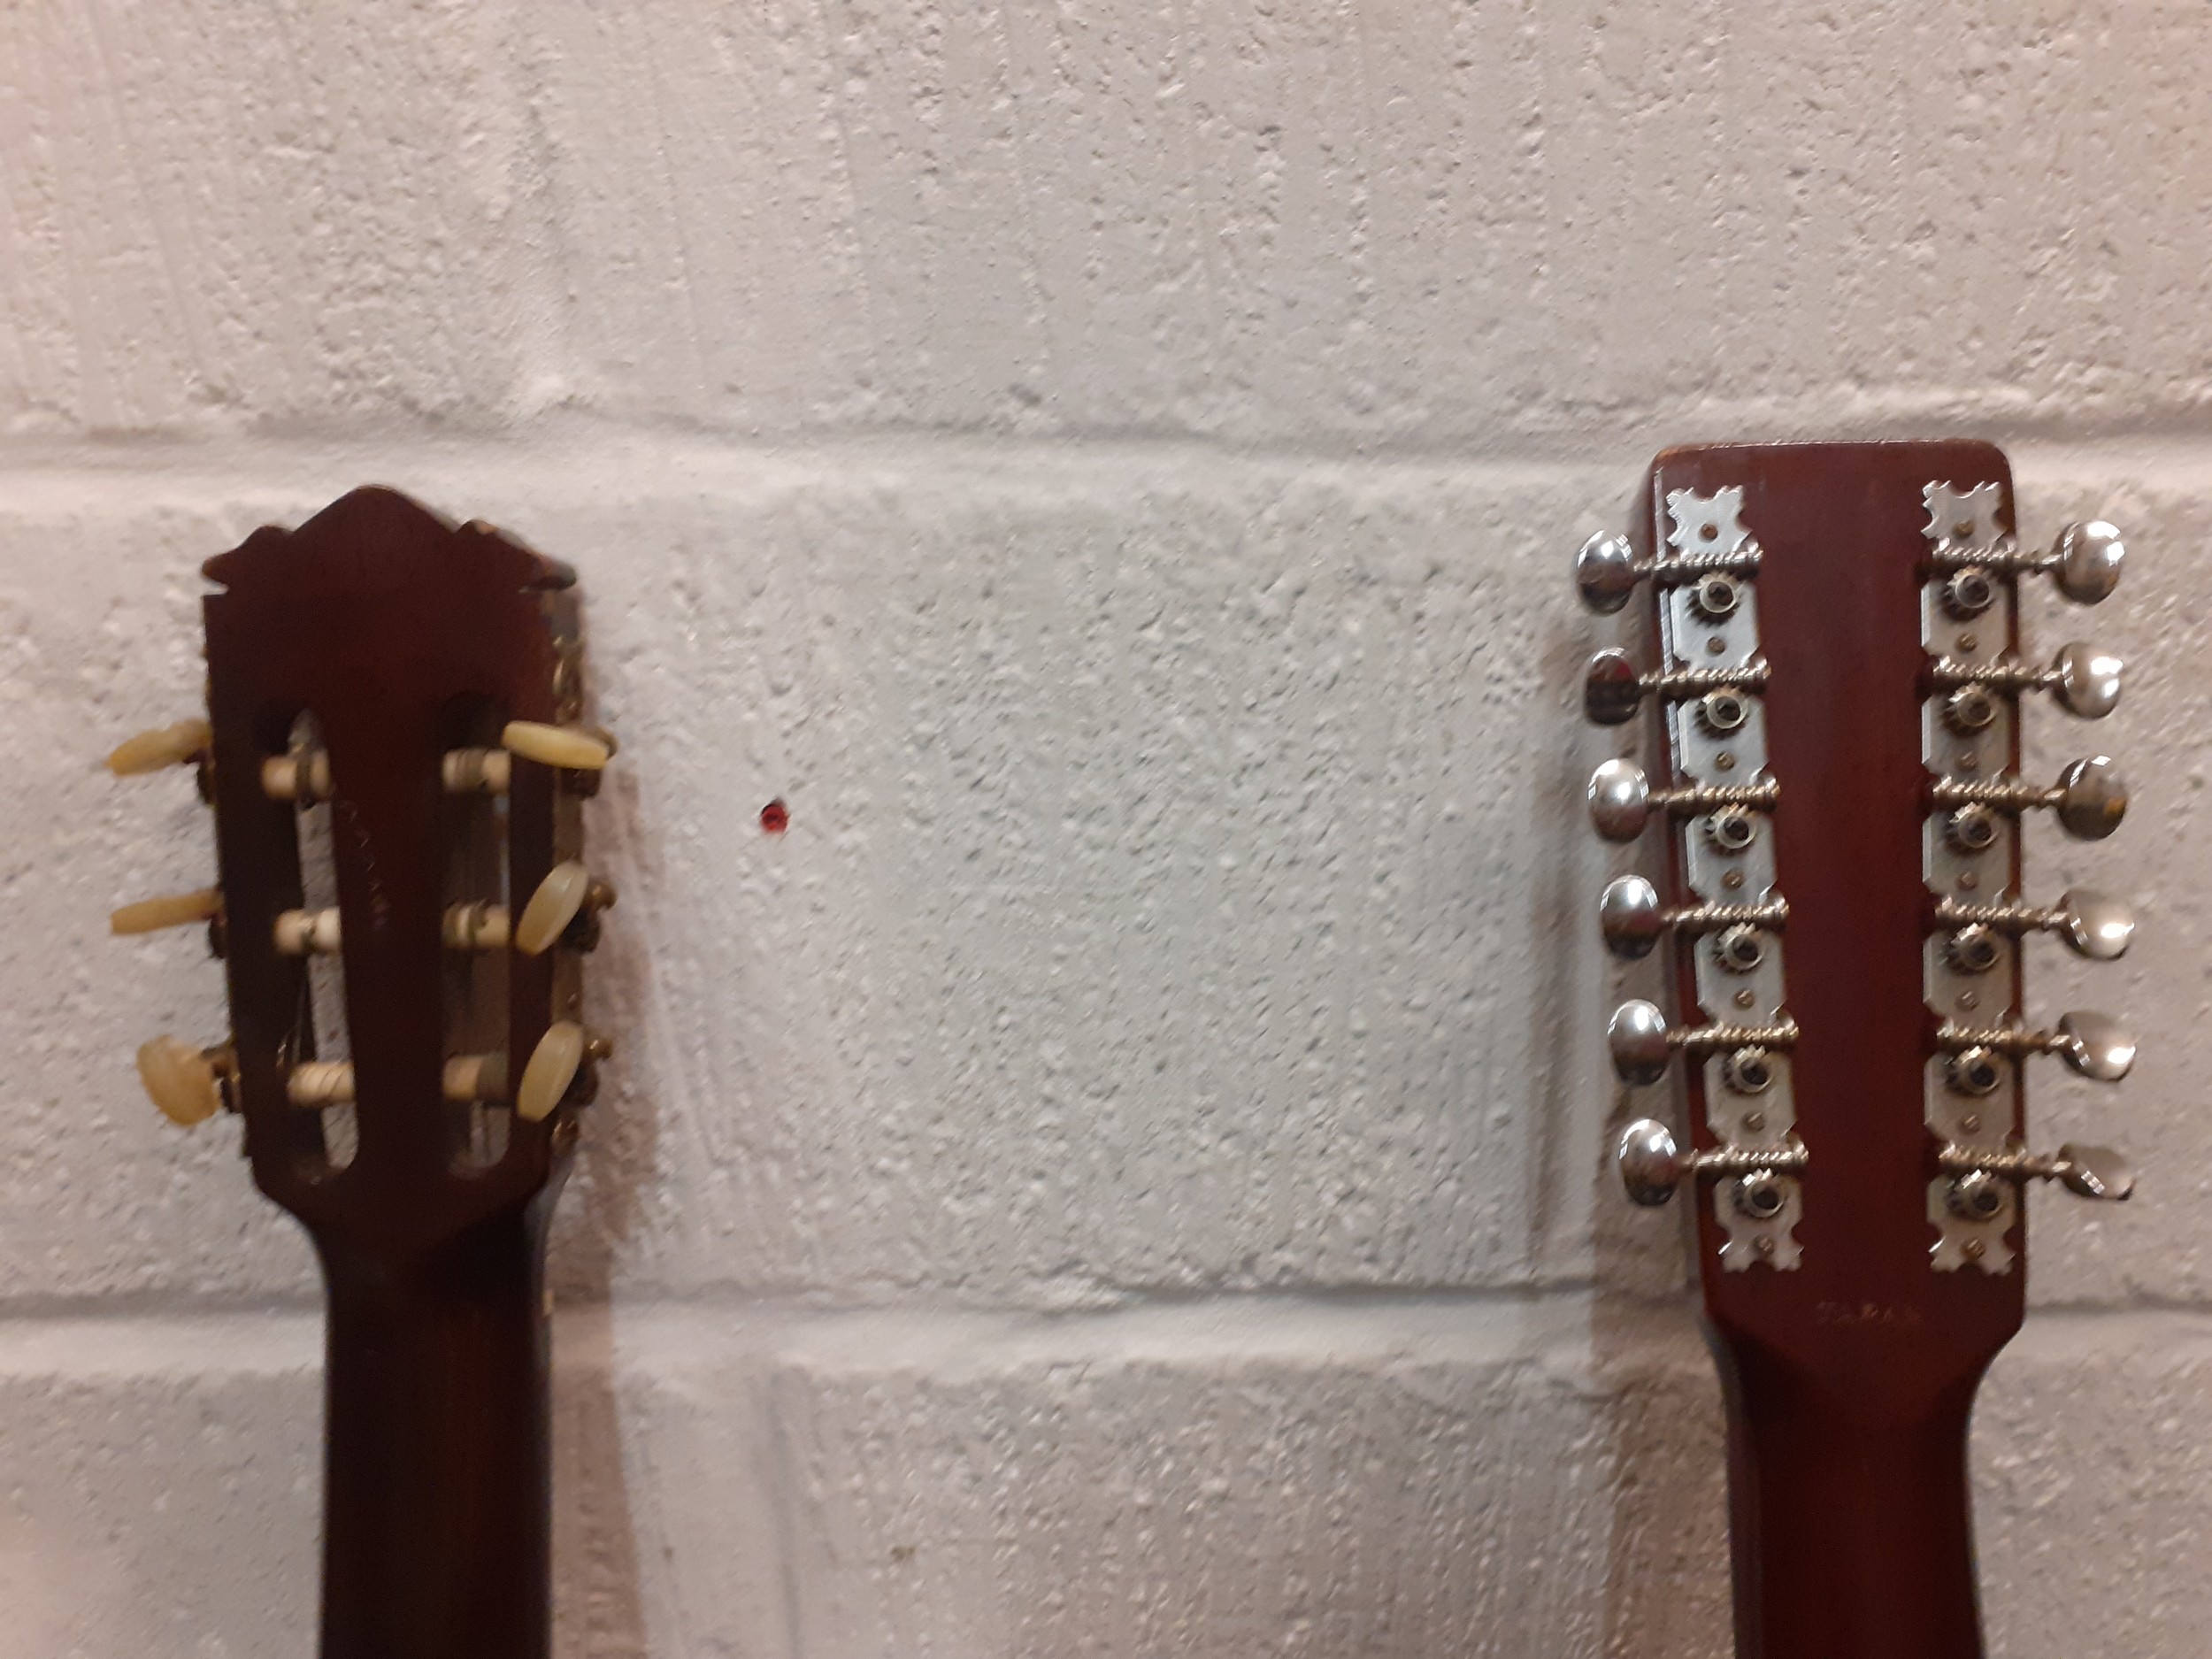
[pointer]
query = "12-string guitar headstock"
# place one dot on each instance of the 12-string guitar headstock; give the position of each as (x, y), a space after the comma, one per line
(406, 694)
(1839, 682)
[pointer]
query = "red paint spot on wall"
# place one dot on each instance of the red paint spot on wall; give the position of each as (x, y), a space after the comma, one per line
(775, 818)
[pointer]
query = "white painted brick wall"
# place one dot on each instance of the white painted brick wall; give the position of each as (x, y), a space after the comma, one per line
(1121, 1176)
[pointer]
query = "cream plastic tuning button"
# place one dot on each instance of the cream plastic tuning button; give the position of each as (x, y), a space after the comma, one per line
(552, 1069)
(178, 745)
(185, 1081)
(569, 747)
(567, 891)
(173, 910)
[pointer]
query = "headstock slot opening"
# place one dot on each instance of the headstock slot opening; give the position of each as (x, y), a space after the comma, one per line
(329, 1136)
(477, 983)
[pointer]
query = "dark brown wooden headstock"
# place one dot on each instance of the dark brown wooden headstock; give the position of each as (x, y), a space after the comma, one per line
(1838, 682)
(365, 674)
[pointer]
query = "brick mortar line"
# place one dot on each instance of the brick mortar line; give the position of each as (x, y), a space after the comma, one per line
(1568, 1334)
(226, 463)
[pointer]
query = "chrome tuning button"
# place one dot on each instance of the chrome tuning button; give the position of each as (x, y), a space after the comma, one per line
(2092, 924)
(1652, 1164)
(2084, 562)
(1612, 690)
(2093, 1045)
(1642, 1043)
(2085, 679)
(2088, 797)
(1622, 799)
(1633, 920)
(1607, 572)
(2086, 1172)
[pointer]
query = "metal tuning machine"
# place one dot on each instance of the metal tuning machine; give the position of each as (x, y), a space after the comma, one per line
(1717, 799)
(1970, 742)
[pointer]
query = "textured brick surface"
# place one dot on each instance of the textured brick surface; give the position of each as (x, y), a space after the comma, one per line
(1407, 220)
(1121, 1174)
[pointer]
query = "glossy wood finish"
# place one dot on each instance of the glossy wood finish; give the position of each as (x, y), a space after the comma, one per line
(1849, 1382)
(405, 636)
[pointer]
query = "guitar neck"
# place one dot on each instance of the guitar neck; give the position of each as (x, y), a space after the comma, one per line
(437, 1517)
(1848, 1512)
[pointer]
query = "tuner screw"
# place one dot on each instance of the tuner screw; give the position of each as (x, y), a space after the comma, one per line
(1606, 573)
(1974, 949)
(1739, 949)
(1974, 1070)
(1977, 1195)
(1759, 1195)
(1749, 1070)
(1731, 829)
(1970, 709)
(2085, 561)
(567, 893)
(190, 1084)
(1716, 597)
(1720, 712)
(1969, 593)
(179, 745)
(1971, 829)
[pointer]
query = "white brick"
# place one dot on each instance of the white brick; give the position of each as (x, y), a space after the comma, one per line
(1408, 222)
(1428, 1476)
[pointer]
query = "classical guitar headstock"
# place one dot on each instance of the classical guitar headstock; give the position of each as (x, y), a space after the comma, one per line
(399, 698)
(1839, 682)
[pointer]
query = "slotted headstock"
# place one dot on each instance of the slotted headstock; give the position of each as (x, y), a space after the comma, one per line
(1834, 785)
(393, 722)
